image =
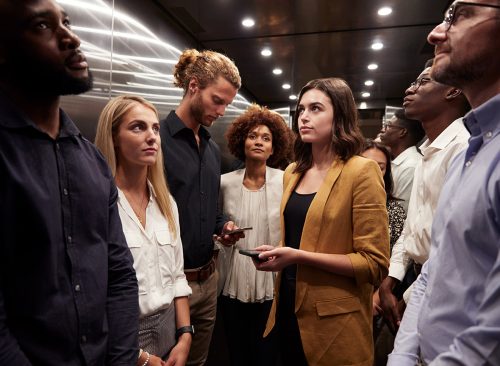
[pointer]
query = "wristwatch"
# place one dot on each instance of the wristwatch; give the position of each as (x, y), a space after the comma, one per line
(182, 330)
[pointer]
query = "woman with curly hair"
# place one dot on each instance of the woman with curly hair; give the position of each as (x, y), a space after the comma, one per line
(251, 197)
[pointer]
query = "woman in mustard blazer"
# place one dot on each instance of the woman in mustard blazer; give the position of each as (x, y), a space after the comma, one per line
(335, 243)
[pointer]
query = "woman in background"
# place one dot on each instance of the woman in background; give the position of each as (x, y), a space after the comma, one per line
(383, 337)
(335, 246)
(251, 197)
(379, 153)
(128, 136)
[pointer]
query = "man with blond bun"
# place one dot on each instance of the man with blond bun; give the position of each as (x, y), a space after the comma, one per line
(453, 315)
(210, 82)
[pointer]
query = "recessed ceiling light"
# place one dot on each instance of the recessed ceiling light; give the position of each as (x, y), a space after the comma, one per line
(277, 71)
(372, 67)
(363, 105)
(369, 82)
(377, 46)
(266, 52)
(248, 22)
(286, 86)
(365, 94)
(386, 10)
(292, 97)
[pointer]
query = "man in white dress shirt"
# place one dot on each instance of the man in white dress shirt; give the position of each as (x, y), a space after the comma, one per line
(440, 109)
(401, 135)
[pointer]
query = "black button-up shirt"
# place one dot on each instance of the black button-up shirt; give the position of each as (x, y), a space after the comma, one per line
(68, 290)
(193, 175)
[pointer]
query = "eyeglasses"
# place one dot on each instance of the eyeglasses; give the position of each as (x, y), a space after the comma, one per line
(459, 7)
(419, 82)
(386, 125)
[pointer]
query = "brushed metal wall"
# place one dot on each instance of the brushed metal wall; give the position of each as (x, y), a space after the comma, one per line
(132, 47)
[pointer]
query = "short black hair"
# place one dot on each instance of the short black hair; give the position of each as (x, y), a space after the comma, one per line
(415, 130)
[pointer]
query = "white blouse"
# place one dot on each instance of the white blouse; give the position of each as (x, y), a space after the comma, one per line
(243, 281)
(158, 257)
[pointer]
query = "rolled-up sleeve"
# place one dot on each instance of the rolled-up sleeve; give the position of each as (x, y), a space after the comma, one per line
(181, 287)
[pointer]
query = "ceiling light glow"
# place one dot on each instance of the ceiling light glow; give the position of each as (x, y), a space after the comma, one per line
(372, 67)
(293, 97)
(266, 52)
(277, 71)
(363, 105)
(248, 22)
(377, 46)
(369, 82)
(386, 10)
(365, 94)
(286, 86)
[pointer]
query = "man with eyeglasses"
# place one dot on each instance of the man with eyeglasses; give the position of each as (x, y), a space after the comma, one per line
(453, 316)
(440, 109)
(401, 135)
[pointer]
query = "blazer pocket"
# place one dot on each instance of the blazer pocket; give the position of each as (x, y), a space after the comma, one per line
(343, 305)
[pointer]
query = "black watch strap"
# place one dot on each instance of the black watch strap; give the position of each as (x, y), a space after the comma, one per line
(182, 330)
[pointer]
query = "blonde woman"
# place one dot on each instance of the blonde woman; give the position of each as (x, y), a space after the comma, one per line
(128, 136)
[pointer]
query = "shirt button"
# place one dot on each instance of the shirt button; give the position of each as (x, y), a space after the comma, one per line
(84, 339)
(65, 191)
(202, 193)
(489, 134)
(468, 163)
(57, 146)
(77, 288)
(70, 239)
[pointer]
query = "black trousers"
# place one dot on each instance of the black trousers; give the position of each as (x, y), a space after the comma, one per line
(244, 324)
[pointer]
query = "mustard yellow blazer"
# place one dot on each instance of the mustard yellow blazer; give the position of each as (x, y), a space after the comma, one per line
(347, 216)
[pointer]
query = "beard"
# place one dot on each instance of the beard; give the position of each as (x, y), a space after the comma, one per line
(197, 111)
(42, 78)
(461, 72)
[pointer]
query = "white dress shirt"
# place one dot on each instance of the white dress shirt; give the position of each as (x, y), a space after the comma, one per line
(403, 167)
(158, 258)
(415, 240)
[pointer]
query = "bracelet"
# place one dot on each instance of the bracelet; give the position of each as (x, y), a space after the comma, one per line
(147, 359)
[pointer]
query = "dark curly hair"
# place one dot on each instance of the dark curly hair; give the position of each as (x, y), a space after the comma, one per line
(255, 116)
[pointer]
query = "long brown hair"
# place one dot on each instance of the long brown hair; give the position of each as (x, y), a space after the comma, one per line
(347, 139)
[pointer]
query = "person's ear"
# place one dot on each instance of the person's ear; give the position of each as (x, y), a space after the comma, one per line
(193, 86)
(453, 93)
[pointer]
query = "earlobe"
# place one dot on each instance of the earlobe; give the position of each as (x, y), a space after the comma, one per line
(453, 93)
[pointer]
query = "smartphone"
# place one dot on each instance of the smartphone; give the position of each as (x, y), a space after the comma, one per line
(252, 253)
(239, 230)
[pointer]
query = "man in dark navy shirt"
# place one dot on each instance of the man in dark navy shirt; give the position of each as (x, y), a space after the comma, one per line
(192, 163)
(68, 291)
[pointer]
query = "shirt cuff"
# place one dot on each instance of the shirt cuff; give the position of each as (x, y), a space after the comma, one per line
(407, 294)
(181, 288)
(402, 359)
(397, 270)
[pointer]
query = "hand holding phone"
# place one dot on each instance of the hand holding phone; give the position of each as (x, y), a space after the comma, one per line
(238, 230)
(252, 253)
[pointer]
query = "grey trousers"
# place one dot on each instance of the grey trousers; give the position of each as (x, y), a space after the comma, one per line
(157, 332)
